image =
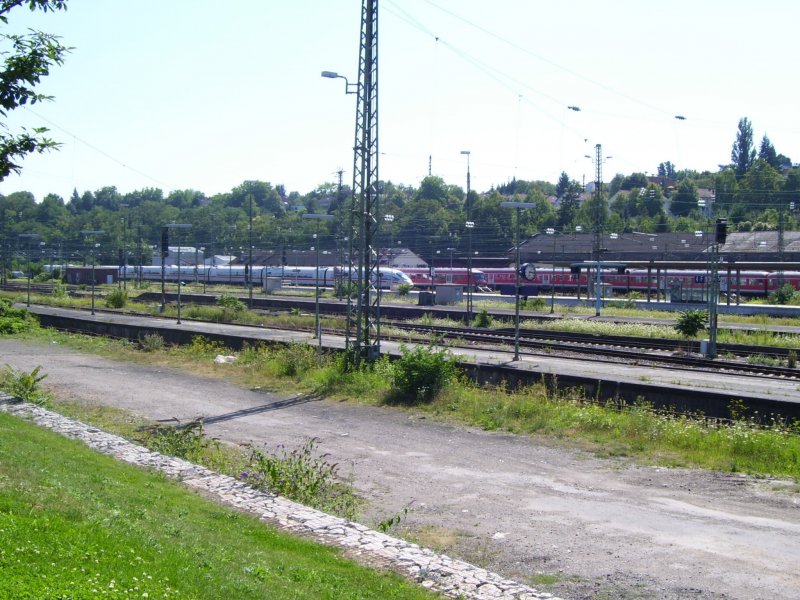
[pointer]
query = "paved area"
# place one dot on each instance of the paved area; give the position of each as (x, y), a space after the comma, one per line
(451, 577)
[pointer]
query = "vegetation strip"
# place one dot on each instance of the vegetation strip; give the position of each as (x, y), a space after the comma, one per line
(434, 571)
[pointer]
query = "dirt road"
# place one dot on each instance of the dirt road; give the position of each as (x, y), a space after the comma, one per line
(572, 524)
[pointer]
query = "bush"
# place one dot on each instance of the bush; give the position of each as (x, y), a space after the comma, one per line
(295, 359)
(59, 291)
(304, 478)
(14, 320)
(230, 303)
(419, 374)
(151, 342)
(483, 319)
(117, 298)
(784, 295)
(188, 441)
(404, 289)
(533, 304)
(22, 385)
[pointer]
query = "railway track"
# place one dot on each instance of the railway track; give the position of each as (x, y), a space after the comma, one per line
(636, 350)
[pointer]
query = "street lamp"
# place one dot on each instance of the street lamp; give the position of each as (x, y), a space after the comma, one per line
(469, 224)
(124, 248)
(29, 237)
(179, 226)
(87, 233)
(317, 328)
(519, 206)
(349, 88)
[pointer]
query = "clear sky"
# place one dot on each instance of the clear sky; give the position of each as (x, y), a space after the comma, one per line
(201, 94)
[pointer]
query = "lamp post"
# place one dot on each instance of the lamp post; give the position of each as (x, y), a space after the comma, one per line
(124, 248)
(469, 224)
(250, 255)
(92, 233)
(518, 206)
(179, 226)
(29, 237)
(317, 328)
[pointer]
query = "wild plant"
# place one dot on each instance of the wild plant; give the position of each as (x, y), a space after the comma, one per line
(304, 477)
(24, 386)
(151, 342)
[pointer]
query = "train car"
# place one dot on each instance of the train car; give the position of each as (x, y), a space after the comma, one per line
(422, 277)
(240, 275)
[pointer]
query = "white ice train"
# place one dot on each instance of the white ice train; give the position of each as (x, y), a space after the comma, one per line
(238, 275)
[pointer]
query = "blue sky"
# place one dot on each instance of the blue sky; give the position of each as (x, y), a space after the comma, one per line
(194, 94)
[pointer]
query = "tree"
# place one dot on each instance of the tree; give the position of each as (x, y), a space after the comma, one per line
(767, 153)
(568, 193)
(743, 154)
(689, 323)
(666, 170)
(30, 58)
(685, 199)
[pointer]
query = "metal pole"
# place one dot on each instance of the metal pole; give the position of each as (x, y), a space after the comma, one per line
(516, 310)
(250, 257)
(179, 278)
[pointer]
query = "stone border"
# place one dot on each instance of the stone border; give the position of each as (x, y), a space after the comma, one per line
(437, 572)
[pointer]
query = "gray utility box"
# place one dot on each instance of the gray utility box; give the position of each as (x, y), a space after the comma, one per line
(272, 284)
(449, 294)
(426, 298)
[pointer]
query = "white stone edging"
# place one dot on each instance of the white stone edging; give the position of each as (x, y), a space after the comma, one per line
(438, 572)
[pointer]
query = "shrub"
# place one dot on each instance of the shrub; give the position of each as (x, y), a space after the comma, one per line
(533, 304)
(14, 320)
(483, 319)
(231, 303)
(151, 342)
(784, 295)
(419, 374)
(117, 298)
(59, 291)
(791, 359)
(187, 441)
(304, 478)
(404, 289)
(22, 385)
(295, 359)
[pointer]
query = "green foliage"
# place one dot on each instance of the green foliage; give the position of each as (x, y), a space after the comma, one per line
(184, 441)
(791, 359)
(537, 304)
(404, 289)
(28, 58)
(482, 319)
(295, 358)
(420, 373)
(231, 303)
(15, 320)
(59, 291)
(784, 295)
(117, 298)
(24, 386)
(691, 322)
(41, 277)
(303, 477)
(202, 346)
(151, 342)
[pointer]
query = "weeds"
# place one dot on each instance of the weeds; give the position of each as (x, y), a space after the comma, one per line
(151, 342)
(303, 477)
(187, 441)
(24, 386)
(117, 298)
(420, 373)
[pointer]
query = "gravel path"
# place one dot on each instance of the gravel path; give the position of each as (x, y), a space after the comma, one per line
(572, 524)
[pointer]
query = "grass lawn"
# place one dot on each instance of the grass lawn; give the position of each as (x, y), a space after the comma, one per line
(77, 524)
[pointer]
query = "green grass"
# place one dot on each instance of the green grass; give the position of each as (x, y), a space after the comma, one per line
(77, 524)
